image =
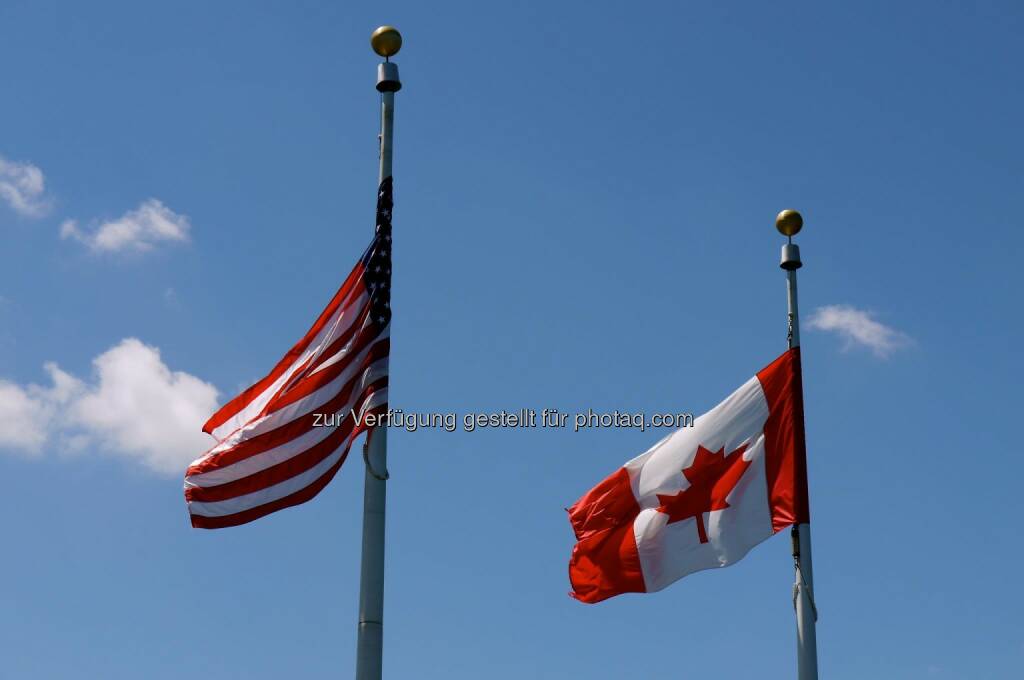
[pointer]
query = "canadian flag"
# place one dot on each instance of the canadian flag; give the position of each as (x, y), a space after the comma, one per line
(702, 497)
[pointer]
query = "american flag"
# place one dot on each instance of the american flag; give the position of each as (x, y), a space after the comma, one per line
(270, 452)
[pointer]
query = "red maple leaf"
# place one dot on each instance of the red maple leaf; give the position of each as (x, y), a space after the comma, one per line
(712, 476)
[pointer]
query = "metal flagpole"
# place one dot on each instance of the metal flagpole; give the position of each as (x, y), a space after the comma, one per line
(789, 223)
(386, 41)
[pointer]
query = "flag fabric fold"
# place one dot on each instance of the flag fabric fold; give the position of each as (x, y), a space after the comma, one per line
(700, 498)
(283, 439)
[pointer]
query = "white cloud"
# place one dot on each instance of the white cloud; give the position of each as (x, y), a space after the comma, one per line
(26, 412)
(857, 327)
(137, 230)
(23, 187)
(134, 407)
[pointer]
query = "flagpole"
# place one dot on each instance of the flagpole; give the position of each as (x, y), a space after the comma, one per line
(386, 41)
(789, 223)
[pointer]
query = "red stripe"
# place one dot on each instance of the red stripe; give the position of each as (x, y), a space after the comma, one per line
(307, 384)
(605, 562)
(289, 468)
(785, 450)
(340, 342)
(321, 356)
(293, 428)
(236, 405)
(297, 498)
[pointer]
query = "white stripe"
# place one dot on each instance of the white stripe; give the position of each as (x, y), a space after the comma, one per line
(277, 491)
(339, 322)
(286, 450)
(315, 399)
(342, 353)
(307, 404)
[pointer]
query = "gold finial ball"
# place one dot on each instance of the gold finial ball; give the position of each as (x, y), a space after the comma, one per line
(386, 41)
(789, 223)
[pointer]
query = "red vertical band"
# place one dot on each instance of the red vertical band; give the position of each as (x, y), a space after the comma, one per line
(607, 505)
(785, 450)
(605, 562)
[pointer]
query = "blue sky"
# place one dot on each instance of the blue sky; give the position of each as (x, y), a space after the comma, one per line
(584, 196)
